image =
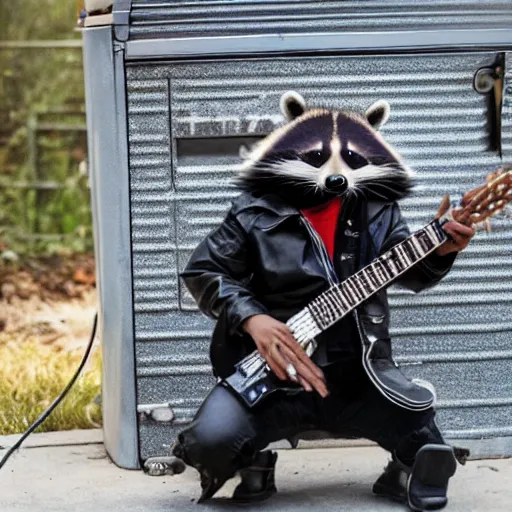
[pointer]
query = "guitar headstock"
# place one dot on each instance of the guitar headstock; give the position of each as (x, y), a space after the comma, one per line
(481, 203)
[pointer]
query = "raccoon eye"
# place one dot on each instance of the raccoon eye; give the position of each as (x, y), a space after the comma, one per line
(316, 158)
(354, 160)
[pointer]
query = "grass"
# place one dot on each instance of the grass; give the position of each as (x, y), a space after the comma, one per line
(31, 377)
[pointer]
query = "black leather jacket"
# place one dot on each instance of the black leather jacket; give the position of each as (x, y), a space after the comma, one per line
(261, 259)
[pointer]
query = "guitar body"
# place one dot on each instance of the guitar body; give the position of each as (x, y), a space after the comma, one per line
(252, 379)
(255, 385)
(252, 389)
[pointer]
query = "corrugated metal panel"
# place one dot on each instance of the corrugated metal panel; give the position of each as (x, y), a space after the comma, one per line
(457, 334)
(506, 117)
(158, 19)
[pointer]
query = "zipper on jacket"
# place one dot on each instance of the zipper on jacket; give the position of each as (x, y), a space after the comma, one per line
(328, 266)
(321, 252)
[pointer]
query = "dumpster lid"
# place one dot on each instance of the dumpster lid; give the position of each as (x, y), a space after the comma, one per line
(266, 22)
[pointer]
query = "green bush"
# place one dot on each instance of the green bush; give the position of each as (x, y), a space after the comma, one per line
(42, 132)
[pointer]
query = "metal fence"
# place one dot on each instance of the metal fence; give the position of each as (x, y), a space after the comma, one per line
(44, 195)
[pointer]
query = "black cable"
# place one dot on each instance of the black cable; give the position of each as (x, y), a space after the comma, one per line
(57, 401)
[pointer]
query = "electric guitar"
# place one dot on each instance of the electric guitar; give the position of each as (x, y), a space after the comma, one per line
(253, 379)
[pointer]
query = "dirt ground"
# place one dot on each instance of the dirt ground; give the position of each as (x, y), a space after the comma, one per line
(50, 300)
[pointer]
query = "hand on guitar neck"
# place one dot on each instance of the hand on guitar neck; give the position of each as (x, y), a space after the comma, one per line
(282, 353)
(460, 236)
(477, 206)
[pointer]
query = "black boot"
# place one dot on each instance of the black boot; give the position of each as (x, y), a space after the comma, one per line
(434, 465)
(424, 486)
(392, 483)
(258, 480)
(210, 484)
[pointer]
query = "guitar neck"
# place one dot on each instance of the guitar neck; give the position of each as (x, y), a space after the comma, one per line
(339, 300)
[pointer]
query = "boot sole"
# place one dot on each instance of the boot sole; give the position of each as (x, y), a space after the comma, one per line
(383, 492)
(433, 467)
(254, 498)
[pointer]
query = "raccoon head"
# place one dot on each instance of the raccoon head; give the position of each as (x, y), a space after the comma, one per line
(323, 153)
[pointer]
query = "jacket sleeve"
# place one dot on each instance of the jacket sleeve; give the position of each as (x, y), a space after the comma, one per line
(217, 274)
(426, 273)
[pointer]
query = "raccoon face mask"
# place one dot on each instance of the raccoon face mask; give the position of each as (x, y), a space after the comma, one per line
(323, 153)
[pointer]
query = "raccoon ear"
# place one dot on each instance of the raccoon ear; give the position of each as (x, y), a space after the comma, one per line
(292, 105)
(378, 114)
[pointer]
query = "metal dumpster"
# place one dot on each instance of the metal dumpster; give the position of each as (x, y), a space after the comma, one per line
(175, 88)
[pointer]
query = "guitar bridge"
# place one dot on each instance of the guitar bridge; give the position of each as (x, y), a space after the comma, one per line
(253, 380)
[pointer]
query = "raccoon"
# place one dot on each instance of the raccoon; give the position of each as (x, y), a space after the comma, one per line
(322, 153)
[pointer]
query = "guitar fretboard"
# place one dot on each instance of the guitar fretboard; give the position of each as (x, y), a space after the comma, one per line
(339, 300)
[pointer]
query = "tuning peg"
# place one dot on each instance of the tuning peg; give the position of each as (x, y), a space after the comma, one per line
(494, 175)
(470, 195)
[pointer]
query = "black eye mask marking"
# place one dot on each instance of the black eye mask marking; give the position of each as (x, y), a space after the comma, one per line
(315, 158)
(363, 138)
(306, 135)
(353, 160)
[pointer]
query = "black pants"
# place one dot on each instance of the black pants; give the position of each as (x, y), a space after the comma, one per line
(225, 435)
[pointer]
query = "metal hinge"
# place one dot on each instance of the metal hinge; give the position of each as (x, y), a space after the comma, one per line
(121, 11)
(488, 80)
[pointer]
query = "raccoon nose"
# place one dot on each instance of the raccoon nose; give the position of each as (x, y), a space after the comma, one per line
(336, 183)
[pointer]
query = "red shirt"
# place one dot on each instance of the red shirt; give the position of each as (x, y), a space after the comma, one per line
(324, 219)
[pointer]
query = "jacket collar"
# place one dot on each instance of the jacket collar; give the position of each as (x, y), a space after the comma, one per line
(273, 203)
(270, 202)
(375, 208)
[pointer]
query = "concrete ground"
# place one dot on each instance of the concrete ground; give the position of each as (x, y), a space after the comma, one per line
(71, 472)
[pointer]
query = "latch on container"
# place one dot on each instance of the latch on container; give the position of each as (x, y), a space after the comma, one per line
(162, 413)
(488, 80)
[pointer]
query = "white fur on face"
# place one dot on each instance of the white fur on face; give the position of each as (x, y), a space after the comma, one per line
(296, 169)
(376, 177)
(375, 173)
(300, 170)
(335, 165)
